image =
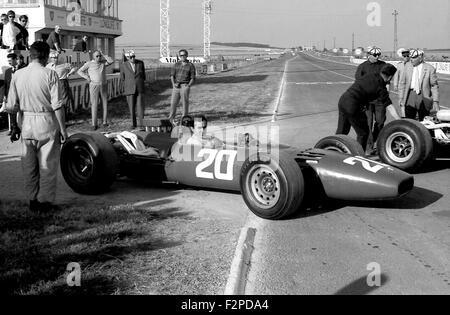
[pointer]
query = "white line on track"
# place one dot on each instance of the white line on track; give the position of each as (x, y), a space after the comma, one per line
(320, 83)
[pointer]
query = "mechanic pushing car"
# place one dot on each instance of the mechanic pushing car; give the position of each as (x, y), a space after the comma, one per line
(371, 87)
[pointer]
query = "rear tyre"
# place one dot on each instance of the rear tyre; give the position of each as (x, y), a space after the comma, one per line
(342, 144)
(405, 144)
(272, 189)
(89, 163)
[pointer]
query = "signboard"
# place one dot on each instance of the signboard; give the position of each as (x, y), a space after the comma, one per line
(176, 59)
(77, 20)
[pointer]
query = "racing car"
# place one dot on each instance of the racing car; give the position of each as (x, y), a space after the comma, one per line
(273, 180)
(409, 145)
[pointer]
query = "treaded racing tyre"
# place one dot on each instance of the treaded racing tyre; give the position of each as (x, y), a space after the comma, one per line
(342, 144)
(272, 189)
(405, 144)
(89, 163)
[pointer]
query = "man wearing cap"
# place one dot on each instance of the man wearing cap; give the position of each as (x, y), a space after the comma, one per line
(132, 77)
(376, 113)
(418, 88)
(400, 68)
(369, 88)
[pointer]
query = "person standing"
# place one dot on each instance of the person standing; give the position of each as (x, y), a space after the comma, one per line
(64, 71)
(13, 62)
(81, 45)
(10, 32)
(132, 76)
(369, 88)
(182, 77)
(35, 92)
(376, 113)
(95, 73)
(54, 40)
(22, 38)
(419, 88)
(400, 69)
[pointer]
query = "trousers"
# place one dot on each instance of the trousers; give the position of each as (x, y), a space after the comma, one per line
(136, 102)
(178, 94)
(414, 106)
(40, 164)
(376, 118)
(97, 91)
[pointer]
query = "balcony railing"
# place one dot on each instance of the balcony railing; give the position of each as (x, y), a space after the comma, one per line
(19, 3)
(109, 8)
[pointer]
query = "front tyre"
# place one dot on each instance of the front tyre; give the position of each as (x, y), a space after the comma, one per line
(342, 144)
(405, 144)
(272, 189)
(89, 163)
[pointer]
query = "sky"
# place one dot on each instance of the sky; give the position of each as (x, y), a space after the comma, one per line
(292, 23)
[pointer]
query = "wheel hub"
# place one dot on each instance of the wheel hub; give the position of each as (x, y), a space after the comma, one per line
(264, 186)
(400, 147)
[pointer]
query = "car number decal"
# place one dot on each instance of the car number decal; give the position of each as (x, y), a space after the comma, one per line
(216, 157)
(369, 165)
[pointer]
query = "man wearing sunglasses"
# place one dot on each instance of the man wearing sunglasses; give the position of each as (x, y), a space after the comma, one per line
(182, 77)
(132, 77)
(400, 68)
(419, 88)
(95, 73)
(10, 31)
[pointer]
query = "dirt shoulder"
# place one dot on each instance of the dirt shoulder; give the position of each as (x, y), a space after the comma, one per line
(138, 238)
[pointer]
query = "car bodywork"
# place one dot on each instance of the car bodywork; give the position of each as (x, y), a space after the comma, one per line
(262, 173)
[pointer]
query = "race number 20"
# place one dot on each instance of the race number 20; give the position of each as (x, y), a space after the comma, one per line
(216, 157)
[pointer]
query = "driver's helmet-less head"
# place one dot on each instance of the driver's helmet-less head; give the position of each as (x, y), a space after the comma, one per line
(187, 121)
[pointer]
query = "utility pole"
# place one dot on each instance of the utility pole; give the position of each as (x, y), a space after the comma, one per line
(395, 14)
(353, 42)
(207, 11)
(164, 22)
(334, 42)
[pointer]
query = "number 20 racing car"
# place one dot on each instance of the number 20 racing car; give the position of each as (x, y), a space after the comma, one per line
(272, 181)
(408, 144)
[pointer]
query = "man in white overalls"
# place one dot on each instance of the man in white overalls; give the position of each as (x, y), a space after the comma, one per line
(35, 92)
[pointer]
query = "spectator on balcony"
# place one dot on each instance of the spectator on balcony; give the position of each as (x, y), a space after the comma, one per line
(10, 32)
(81, 45)
(3, 22)
(54, 41)
(22, 38)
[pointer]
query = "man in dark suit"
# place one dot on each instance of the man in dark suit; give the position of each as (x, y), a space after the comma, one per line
(132, 76)
(12, 60)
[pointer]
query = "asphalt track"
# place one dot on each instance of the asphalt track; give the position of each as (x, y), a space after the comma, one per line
(334, 249)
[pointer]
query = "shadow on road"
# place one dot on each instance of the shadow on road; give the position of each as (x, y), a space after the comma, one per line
(418, 198)
(360, 287)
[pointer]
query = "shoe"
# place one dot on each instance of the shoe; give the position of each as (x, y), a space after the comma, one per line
(9, 133)
(105, 124)
(94, 128)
